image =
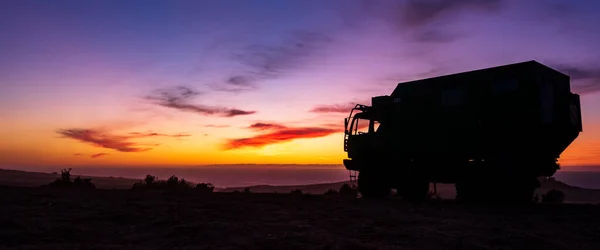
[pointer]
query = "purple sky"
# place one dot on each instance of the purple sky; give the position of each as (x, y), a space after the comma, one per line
(111, 64)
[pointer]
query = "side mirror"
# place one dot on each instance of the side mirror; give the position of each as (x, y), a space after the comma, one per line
(346, 125)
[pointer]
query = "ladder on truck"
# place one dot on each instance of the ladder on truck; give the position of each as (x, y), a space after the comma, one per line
(353, 177)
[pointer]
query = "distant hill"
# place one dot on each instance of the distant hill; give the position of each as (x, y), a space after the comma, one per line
(20, 178)
(445, 191)
(309, 189)
(35, 179)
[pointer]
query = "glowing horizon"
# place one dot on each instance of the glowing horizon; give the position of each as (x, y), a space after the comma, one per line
(162, 83)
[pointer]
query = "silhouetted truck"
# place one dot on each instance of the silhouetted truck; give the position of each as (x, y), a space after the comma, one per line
(492, 132)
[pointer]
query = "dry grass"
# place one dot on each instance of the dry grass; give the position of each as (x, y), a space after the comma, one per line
(35, 218)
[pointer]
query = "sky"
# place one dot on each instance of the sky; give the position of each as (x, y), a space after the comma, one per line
(186, 83)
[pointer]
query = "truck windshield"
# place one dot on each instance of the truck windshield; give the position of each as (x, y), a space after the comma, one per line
(361, 126)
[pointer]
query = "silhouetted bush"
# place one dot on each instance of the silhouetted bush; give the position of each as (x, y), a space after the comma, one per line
(65, 181)
(172, 183)
(331, 192)
(205, 187)
(553, 196)
(344, 190)
(296, 192)
(150, 179)
(246, 190)
(348, 190)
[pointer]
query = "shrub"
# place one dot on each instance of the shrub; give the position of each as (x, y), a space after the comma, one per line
(344, 190)
(150, 179)
(553, 196)
(246, 190)
(296, 192)
(64, 181)
(331, 192)
(348, 190)
(184, 184)
(205, 187)
(172, 183)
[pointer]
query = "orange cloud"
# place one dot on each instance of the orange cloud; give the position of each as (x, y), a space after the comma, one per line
(121, 143)
(99, 155)
(334, 108)
(265, 126)
(216, 126)
(92, 156)
(277, 133)
(139, 135)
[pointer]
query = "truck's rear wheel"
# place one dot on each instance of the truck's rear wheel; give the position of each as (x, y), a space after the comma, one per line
(372, 185)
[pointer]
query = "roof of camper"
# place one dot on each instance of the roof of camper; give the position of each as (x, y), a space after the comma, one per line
(519, 65)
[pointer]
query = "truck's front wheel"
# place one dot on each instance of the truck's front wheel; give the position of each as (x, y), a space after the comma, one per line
(372, 185)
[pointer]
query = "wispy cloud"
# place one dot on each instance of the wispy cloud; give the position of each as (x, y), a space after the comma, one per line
(420, 19)
(277, 133)
(91, 156)
(343, 107)
(436, 36)
(421, 12)
(216, 126)
(99, 155)
(418, 13)
(265, 126)
(584, 79)
(334, 108)
(269, 61)
(150, 134)
(105, 139)
(179, 98)
(236, 83)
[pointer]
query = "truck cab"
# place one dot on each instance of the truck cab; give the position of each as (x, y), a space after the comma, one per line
(360, 135)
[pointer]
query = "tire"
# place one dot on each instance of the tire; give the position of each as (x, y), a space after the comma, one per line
(372, 185)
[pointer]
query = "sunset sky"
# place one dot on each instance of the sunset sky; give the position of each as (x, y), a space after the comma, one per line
(149, 83)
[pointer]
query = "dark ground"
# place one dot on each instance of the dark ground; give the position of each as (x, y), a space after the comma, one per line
(35, 218)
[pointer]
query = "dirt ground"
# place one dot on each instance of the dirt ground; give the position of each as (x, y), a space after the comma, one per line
(36, 218)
